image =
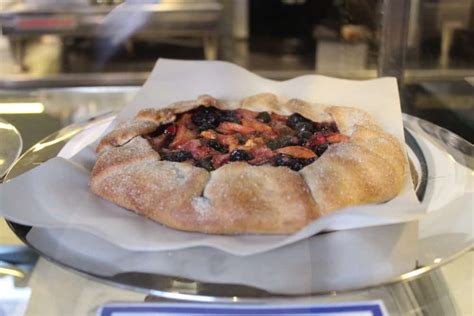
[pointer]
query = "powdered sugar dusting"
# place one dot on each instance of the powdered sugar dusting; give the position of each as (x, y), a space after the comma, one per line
(347, 152)
(356, 118)
(137, 147)
(202, 206)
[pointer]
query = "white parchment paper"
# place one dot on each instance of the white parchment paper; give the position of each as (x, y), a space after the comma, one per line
(336, 261)
(56, 194)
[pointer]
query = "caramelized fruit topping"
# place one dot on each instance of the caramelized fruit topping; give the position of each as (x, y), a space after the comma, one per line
(208, 137)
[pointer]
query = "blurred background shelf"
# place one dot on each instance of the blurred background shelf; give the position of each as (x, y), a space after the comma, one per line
(427, 44)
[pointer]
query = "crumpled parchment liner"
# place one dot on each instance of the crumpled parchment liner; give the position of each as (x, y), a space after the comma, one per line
(56, 193)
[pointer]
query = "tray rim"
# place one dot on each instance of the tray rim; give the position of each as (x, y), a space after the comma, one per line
(19, 148)
(419, 271)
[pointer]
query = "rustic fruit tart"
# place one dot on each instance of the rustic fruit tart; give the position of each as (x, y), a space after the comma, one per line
(265, 164)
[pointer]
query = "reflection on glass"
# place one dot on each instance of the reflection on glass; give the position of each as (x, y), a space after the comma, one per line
(276, 37)
(429, 44)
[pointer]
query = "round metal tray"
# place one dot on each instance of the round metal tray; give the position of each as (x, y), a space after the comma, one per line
(10, 146)
(418, 133)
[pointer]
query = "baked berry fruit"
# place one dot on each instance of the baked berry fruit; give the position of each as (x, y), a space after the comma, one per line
(214, 144)
(291, 162)
(283, 141)
(206, 118)
(205, 163)
(304, 130)
(230, 116)
(296, 118)
(240, 155)
(319, 149)
(178, 156)
(264, 117)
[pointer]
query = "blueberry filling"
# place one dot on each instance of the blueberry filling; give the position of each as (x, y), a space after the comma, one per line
(319, 149)
(291, 162)
(205, 163)
(206, 118)
(208, 138)
(264, 117)
(296, 118)
(178, 156)
(283, 141)
(160, 130)
(304, 130)
(214, 144)
(230, 116)
(241, 139)
(240, 155)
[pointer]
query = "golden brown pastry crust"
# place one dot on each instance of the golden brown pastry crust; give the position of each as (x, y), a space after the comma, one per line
(241, 198)
(258, 199)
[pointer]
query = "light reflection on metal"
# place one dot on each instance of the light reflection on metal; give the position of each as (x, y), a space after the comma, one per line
(437, 260)
(190, 287)
(11, 145)
(21, 108)
(13, 272)
(451, 158)
(61, 138)
(414, 273)
(6, 126)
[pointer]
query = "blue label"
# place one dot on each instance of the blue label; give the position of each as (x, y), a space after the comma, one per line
(367, 308)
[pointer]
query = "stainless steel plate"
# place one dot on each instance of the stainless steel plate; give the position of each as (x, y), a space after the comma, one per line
(326, 255)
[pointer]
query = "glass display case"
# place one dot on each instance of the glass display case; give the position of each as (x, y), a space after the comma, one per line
(66, 65)
(427, 45)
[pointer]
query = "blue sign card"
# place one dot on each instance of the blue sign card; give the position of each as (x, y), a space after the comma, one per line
(365, 308)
